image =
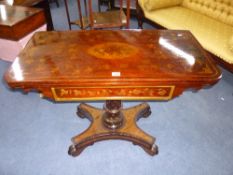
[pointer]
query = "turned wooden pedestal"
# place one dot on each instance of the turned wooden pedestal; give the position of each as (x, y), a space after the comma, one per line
(113, 122)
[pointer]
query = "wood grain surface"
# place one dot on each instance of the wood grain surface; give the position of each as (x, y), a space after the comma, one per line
(118, 64)
(16, 21)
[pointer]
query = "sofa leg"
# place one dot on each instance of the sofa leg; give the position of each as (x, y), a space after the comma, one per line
(140, 24)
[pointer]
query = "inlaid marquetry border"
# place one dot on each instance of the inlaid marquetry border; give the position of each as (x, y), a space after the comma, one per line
(123, 93)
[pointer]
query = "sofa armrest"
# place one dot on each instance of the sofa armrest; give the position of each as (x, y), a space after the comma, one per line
(151, 5)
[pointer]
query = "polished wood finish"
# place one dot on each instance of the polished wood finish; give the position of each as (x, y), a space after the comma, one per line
(116, 123)
(130, 58)
(112, 65)
(99, 20)
(44, 4)
(18, 21)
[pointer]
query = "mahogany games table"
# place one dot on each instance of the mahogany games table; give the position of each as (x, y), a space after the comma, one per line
(113, 66)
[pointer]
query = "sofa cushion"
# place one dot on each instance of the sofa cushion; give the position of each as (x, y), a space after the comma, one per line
(156, 4)
(221, 10)
(212, 34)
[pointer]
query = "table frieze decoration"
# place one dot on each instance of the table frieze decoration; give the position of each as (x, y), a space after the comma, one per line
(98, 93)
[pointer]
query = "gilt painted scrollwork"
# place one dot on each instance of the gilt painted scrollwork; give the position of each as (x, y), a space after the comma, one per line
(79, 93)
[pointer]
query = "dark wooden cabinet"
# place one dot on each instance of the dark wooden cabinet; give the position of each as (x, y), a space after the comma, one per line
(19, 21)
(44, 4)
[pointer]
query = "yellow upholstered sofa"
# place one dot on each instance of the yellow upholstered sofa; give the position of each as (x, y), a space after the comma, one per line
(210, 21)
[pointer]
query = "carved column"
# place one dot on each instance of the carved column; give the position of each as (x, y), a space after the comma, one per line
(113, 117)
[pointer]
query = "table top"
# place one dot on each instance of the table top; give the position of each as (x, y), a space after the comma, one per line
(117, 64)
(15, 20)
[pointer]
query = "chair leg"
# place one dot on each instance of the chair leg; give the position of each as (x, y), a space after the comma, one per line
(140, 16)
(99, 3)
(109, 5)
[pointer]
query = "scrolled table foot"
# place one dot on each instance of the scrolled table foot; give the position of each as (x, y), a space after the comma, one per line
(153, 151)
(145, 111)
(73, 151)
(81, 112)
(85, 111)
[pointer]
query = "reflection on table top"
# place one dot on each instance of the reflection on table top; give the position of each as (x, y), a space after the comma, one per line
(119, 56)
(16, 22)
(20, 2)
